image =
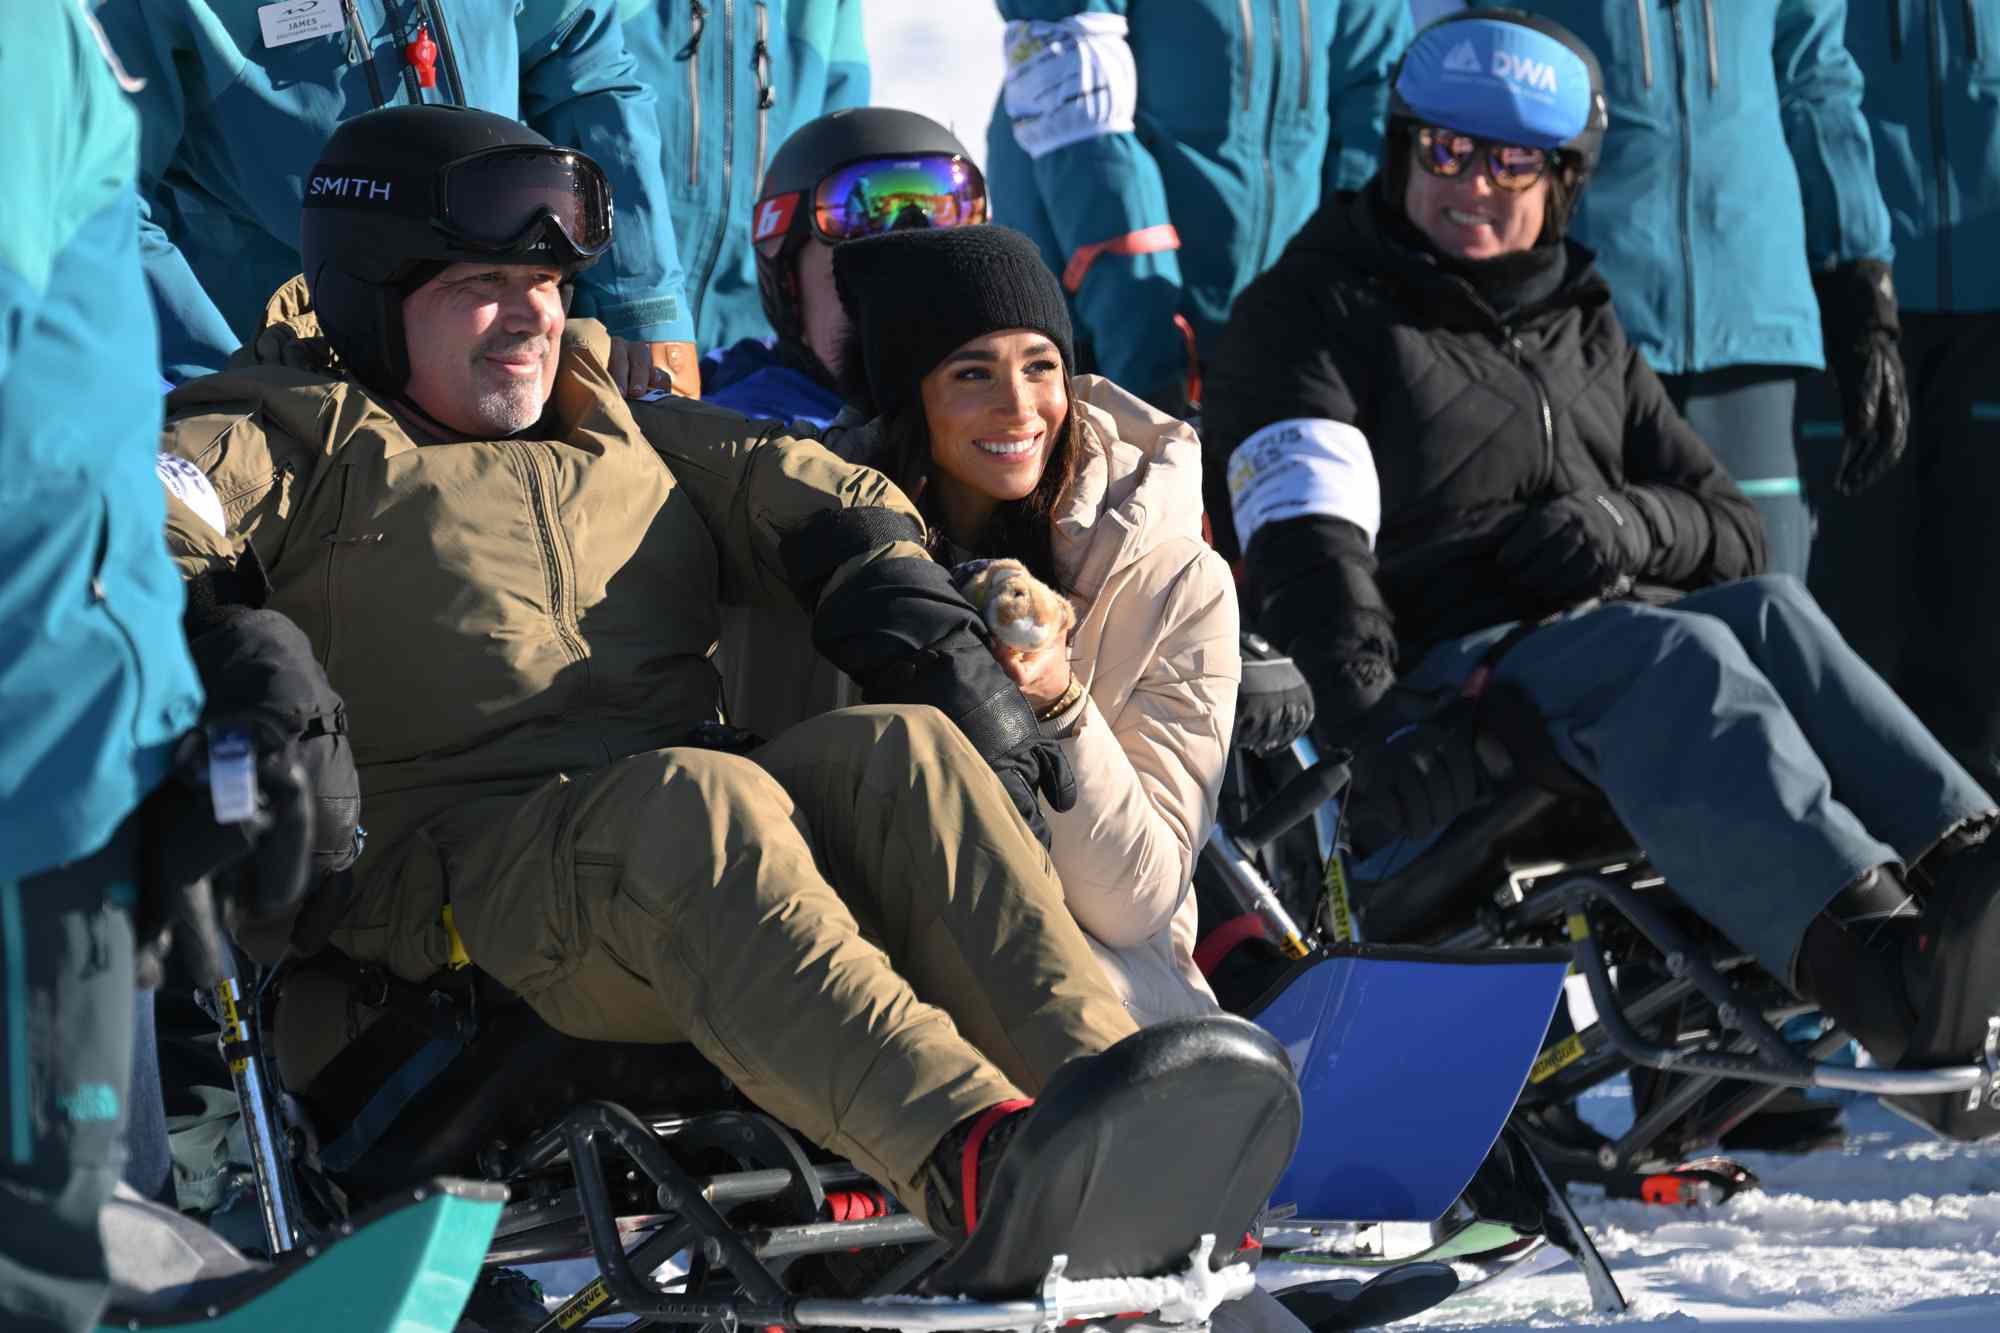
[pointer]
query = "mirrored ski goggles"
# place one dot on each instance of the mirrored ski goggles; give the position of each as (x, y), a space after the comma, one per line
(504, 200)
(1449, 154)
(878, 194)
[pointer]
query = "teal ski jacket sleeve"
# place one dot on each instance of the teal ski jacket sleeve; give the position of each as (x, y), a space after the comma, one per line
(581, 88)
(95, 680)
(1819, 102)
(1368, 39)
(1086, 187)
(230, 126)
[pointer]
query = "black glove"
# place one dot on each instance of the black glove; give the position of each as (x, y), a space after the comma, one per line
(1857, 315)
(906, 635)
(1419, 780)
(1577, 546)
(260, 863)
(258, 670)
(1274, 705)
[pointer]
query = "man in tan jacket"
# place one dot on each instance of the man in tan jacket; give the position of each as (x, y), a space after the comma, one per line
(512, 577)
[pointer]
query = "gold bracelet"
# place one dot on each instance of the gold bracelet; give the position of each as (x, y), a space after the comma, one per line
(1064, 701)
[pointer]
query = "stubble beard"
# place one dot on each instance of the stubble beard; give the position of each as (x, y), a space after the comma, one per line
(507, 405)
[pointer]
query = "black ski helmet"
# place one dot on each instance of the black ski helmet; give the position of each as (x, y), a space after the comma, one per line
(1504, 75)
(401, 193)
(783, 218)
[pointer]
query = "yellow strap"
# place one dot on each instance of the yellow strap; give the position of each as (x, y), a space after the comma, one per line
(459, 957)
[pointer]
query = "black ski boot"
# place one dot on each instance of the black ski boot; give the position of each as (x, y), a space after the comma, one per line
(1858, 962)
(1126, 1159)
(1958, 976)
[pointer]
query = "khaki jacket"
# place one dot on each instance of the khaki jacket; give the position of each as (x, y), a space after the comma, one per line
(1156, 645)
(494, 612)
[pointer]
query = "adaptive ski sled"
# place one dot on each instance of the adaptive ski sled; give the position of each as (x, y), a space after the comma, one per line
(1538, 876)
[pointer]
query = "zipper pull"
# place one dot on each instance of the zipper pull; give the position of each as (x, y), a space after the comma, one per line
(760, 66)
(357, 38)
(422, 53)
(698, 21)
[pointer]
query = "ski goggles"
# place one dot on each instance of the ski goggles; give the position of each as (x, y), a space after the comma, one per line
(878, 194)
(1449, 154)
(507, 201)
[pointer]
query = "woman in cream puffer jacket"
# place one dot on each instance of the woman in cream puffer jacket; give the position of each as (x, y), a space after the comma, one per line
(1116, 524)
(1156, 649)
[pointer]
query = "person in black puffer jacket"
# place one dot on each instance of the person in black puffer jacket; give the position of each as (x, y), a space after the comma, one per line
(1442, 455)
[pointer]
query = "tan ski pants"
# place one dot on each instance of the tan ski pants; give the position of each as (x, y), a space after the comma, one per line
(855, 926)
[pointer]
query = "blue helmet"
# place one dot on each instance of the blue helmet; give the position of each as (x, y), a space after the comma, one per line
(1508, 76)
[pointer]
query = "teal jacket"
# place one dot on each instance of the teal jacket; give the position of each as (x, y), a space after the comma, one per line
(733, 79)
(95, 681)
(1737, 163)
(232, 125)
(1933, 101)
(1162, 152)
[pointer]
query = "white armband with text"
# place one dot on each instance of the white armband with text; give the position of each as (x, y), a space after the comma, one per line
(1300, 466)
(191, 485)
(1069, 80)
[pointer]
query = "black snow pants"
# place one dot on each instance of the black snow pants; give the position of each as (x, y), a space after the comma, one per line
(1906, 569)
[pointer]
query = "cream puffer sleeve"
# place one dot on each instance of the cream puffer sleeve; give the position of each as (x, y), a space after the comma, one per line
(1150, 751)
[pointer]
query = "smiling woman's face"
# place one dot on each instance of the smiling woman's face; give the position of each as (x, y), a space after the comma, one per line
(1467, 217)
(993, 408)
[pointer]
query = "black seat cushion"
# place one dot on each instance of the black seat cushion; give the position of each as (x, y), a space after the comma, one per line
(1438, 892)
(447, 1103)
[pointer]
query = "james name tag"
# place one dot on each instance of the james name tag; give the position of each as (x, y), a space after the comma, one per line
(291, 21)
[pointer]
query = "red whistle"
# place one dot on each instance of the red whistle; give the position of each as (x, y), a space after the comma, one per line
(422, 55)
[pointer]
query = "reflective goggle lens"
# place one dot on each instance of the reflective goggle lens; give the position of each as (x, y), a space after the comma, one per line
(497, 198)
(1450, 154)
(872, 196)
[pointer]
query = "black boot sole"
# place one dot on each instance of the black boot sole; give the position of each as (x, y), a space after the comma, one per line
(1129, 1156)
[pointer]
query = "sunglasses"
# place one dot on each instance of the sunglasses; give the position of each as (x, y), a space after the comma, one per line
(878, 194)
(1449, 154)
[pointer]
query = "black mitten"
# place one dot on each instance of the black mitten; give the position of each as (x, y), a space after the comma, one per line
(1274, 705)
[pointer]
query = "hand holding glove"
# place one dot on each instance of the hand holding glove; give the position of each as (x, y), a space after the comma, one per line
(906, 634)
(1577, 546)
(1857, 313)
(1274, 705)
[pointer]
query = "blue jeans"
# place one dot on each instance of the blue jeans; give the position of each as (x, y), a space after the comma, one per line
(1759, 761)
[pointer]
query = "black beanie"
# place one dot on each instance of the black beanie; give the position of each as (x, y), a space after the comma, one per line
(917, 296)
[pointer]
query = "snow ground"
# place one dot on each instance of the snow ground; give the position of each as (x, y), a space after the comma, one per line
(1895, 1230)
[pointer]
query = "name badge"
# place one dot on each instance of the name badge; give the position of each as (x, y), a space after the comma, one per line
(291, 21)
